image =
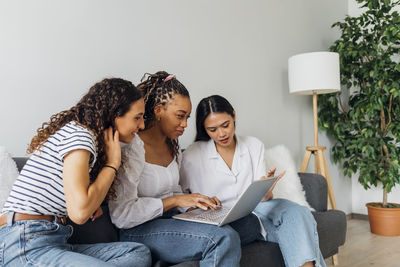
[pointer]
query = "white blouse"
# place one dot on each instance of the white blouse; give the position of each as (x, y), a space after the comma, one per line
(141, 187)
(204, 171)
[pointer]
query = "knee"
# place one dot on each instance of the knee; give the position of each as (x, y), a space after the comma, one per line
(141, 255)
(297, 212)
(230, 237)
(143, 250)
(286, 204)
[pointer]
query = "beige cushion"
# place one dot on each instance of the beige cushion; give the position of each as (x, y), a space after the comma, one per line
(8, 174)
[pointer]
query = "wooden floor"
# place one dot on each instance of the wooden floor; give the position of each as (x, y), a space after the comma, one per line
(362, 248)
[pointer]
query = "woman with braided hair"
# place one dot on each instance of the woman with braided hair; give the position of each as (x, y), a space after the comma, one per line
(73, 163)
(149, 193)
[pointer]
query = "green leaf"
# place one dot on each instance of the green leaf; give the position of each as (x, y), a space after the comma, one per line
(369, 45)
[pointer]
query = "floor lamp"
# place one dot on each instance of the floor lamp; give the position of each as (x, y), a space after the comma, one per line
(313, 74)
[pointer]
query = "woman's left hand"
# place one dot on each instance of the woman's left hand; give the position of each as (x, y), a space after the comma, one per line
(213, 199)
(113, 147)
(97, 214)
(269, 195)
(270, 173)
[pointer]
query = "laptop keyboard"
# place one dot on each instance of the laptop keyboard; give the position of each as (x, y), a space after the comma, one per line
(213, 215)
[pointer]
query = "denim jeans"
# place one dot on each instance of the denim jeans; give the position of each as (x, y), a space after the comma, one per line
(177, 241)
(44, 243)
(293, 227)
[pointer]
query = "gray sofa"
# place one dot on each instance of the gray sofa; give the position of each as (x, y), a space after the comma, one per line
(331, 226)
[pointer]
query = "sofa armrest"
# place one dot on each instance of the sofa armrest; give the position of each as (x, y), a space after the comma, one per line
(316, 190)
(332, 227)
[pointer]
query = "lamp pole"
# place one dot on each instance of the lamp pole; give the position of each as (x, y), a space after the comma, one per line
(315, 112)
(321, 166)
(316, 73)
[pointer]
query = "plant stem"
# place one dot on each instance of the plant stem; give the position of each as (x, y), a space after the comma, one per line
(389, 113)
(342, 108)
(383, 120)
(386, 164)
(384, 204)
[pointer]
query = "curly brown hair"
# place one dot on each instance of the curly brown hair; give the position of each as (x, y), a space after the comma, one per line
(96, 111)
(157, 91)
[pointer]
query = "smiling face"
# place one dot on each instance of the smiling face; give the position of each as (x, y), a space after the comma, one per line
(130, 123)
(172, 117)
(221, 128)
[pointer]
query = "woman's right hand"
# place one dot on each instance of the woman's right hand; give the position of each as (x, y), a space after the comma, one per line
(113, 148)
(197, 200)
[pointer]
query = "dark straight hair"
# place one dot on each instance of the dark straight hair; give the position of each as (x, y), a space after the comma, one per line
(214, 103)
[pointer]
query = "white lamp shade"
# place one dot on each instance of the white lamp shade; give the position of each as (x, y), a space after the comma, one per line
(314, 72)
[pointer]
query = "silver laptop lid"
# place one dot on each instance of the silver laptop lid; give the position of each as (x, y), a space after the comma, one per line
(249, 199)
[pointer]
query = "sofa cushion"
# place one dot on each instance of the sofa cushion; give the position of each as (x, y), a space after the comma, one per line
(258, 253)
(261, 253)
(8, 174)
(289, 187)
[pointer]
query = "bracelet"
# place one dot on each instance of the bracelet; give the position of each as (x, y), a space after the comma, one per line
(115, 169)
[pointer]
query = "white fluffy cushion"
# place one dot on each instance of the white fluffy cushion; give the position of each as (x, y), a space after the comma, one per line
(289, 187)
(8, 174)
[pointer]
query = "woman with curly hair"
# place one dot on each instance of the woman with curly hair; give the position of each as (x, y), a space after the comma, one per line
(73, 164)
(149, 192)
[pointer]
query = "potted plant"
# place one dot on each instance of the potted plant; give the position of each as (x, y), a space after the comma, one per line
(364, 119)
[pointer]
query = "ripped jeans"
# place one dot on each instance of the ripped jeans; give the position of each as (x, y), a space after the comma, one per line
(293, 227)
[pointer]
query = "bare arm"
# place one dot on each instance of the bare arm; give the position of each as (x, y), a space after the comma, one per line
(82, 197)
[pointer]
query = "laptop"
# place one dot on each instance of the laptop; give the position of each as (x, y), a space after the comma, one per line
(246, 203)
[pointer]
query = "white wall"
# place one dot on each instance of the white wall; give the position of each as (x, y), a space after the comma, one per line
(360, 196)
(52, 51)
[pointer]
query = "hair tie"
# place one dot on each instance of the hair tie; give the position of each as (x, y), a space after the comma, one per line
(169, 77)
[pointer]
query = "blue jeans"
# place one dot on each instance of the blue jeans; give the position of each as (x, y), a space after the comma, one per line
(44, 243)
(177, 241)
(291, 226)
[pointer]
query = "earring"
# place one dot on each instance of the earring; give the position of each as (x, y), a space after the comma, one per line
(158, 118)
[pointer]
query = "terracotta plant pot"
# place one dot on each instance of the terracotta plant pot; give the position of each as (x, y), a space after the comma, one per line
(384, 221)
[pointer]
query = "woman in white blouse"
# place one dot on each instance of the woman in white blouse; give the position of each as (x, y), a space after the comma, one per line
(223, 164)
(149, 192)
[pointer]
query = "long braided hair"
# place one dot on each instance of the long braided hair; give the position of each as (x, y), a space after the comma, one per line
(96, 111)
(158, 89)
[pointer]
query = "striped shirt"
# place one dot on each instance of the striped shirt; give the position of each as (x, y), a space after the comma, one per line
(39, 187)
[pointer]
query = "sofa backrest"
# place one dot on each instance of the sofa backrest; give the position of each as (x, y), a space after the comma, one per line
(20, 161)
(316, 190)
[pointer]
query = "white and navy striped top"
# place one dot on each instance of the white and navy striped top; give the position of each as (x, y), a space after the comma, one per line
(39, 187)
